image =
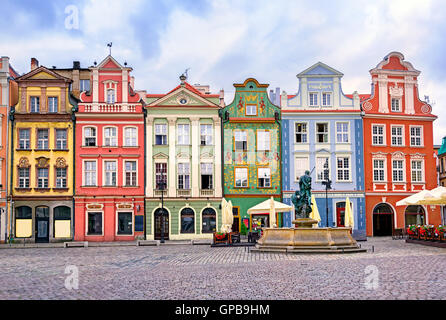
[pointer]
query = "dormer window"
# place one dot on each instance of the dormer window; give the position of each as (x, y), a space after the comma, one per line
(326, 99)
(313, 99)
(396, 104)
(111, 96)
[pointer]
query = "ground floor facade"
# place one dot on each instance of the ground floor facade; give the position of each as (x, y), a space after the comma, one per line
(3, 221)
(42, 219)
(183, 219)
(335, 202)
(384, 216)
(109, 218)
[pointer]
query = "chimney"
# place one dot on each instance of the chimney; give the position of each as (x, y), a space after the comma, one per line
(34, 64)
(222, 98)
(76, 65)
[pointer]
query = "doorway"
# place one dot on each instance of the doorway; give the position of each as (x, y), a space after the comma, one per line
(236, 221)
(42, 224)
(382, 220)
(414, 215)
(161, 217)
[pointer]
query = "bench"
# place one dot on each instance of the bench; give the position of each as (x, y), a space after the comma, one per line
(76, 244)
(147, 243)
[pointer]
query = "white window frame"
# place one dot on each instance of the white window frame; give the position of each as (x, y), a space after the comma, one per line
(247, 177)
(182, 134)
(327, 133)
(65, 178)
(311, 101)
(59, 140)
(323, 169)
(421, 170)
(34, 101)
(104, 174)
(125, 136)
(399, 104)
(378, 135)
(28, 140)
(243, 134)
(208, 136)
(304, 133)
(203, 172)
(166, 175)
(330, 95)
(184, 174)
(259, 177)
(105, 137)
(47, 140)
(51, 105)
(163, 132)
(40, 179)
(250, 108)
(82, 86)
(396, 136)
(108, 96)
(384, 169)
(344, 170)
(85, 137)
(300, 172)
(86, 223)
(403, 169)
(84, 172)
(124, 173)
(342, 133)
(421, 136)
(133, 222)
(263, 145)
(26, 180)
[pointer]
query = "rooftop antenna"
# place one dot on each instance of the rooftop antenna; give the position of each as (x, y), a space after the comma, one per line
(110, 46)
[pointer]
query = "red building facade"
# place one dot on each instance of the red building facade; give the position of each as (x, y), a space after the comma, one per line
(398, 148)
(109, 197)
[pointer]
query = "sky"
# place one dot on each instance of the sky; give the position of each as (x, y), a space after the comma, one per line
(223, 42)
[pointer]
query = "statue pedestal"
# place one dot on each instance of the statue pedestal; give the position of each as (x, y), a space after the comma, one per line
(305, 239)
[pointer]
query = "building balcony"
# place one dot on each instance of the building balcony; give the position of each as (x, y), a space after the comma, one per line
(110, 108)
(207, 193)
(183, 192)
(157, 193)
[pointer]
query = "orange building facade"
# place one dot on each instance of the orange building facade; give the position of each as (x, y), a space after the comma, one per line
(398, 148)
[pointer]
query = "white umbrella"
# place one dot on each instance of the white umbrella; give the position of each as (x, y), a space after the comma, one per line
(422, 197)
(226, 216)
(314, 211)
(272, 214)
(348, 215)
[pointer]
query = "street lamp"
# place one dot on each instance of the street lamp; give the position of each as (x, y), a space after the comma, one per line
(327, 184)
(162, 187)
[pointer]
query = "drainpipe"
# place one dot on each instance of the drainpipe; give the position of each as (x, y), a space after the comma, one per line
(145, 171)
(221, 114)
(278, 121)
(74, 102)
(11, 118)
(6, 162)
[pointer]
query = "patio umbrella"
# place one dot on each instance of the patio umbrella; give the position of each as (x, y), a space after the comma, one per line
(226, 216)
(348, 215)
(422, 197)
(314, 212)
(266, 206)
(272, 213)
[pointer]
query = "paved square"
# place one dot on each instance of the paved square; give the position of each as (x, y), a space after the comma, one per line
(404, 271)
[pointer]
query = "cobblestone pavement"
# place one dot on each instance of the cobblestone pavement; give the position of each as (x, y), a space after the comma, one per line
(405, 271)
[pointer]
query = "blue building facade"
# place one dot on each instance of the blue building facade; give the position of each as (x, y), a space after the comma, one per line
(322, 132)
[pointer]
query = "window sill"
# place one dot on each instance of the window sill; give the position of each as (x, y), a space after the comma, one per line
(417, 146)
(60, 149)
(42, 149)
(23, 149)
(241, 187)
(132, 147)
(60, 189)
(379, 145)
(130, 186)
(89, 186)
(23, 189)
(95, 234)
(89, 146)
(42, 189)
(110, 187)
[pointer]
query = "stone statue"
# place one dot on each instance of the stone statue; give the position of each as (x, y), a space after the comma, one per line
(302, 198)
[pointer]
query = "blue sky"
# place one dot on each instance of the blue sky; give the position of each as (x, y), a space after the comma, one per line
(225, 41)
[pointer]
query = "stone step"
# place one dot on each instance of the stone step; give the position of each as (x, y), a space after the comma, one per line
(147, 243)
(76, 244)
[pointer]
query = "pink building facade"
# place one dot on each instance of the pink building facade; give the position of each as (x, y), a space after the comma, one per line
(109, 194)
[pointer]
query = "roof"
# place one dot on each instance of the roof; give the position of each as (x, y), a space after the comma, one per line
(443, 147)
(188, 87)
(362, 96)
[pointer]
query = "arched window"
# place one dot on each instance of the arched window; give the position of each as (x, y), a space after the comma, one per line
(209, 224)
(23, 222)
(110, 137)
(62, 213)
(42, 212)
(23, 212)
(414, 215)
(187, 221)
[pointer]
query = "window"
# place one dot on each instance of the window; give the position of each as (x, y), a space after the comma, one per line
(241, 143)
(24, 139)
(313, 99)
(378, 170)
(110, 173)
(160, 134)
(161, 174)
(61, 139)
(301, 132)
(321, 132)
(264, 177)
(206, 134)
(343, 168)
(378, 134)
(251, 109)
(110, 137)
(130, 138)
(263, 140)
(184, 176)
(415, 136)
(208, 217)
(326, 99)
(183, 134)
(90, 173)
(342, 132)
(396, 105)
(42, 177)
(84, 85)
(187, 221)
(125, 221)
(130, 173)
(94, 223)
(23, 177)
(35, 104)
(301, 165)
(417, 172)
(206, 176)
(61, 177)
(110, 96)
(322, 168)
(398, 170)
(53, 104)
(62, 217)
(42, 139)
(90, 136)
(241, 177)
(397, 135)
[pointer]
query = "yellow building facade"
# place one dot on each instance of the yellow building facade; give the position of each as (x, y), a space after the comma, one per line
(42, 167)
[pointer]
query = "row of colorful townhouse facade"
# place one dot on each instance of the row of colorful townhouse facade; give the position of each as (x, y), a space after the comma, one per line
(87, 157)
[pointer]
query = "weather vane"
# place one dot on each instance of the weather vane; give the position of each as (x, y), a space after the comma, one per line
(110, 46)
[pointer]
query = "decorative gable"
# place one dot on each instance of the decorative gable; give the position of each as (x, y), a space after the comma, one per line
(320, 69)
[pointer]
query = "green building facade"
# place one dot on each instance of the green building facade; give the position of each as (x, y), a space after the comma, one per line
(251, 152)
